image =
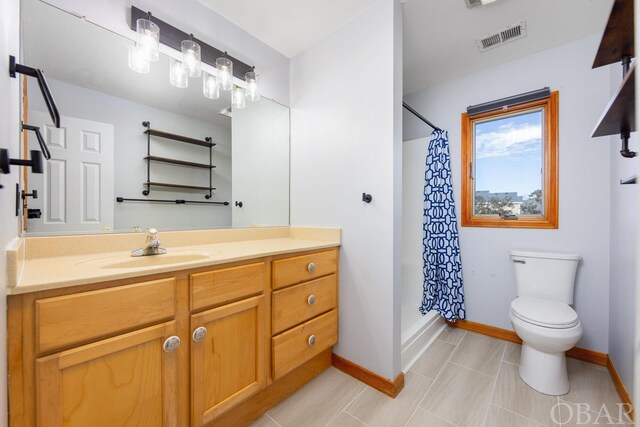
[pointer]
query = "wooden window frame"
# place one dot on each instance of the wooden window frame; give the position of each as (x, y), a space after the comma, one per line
(549, 219)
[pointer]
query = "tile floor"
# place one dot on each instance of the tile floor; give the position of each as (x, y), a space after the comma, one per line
(463, 379)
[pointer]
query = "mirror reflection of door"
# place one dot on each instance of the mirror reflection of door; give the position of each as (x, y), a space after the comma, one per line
(75, 193)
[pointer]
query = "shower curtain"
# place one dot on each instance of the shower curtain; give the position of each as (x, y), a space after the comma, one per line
(442, 289)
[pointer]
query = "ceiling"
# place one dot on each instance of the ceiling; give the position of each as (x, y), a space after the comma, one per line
(289, 26)
(92, 57)
(439, 35)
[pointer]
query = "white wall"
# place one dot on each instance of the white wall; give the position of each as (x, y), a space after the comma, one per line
(193, 16)
(9, 138)
(345, 101)
(584, 182)
(130, 167)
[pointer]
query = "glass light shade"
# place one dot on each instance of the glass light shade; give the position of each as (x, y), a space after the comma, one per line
(252, 86)
(210, 86)
(178, 74)
(225, 73)
(191, 58)
(138, 60)
(148, 38)
(239, 99)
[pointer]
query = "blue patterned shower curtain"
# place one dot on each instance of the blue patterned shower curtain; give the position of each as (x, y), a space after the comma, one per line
(443, 290)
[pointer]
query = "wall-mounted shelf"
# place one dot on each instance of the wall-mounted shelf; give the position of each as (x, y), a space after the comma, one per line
(207, 142)
(630, 180)
(203, 143)
(617, 41)
(179, 162)
(617, 45)
(620, 114)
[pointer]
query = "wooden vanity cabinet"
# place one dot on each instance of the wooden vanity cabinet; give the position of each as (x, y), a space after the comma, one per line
(197, 347)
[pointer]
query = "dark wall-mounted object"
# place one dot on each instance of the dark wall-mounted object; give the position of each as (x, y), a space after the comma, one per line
(367, 198)
(420, 116)
(41, 142)
(36, 163)
(176, 202)
(34, 213)
(617, 45)
(631, 180)
(33, 194)
(173, 37)
(238, 204)
(502, 103)
(42, 82)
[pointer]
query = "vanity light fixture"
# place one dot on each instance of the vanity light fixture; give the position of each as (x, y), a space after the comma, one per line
(191, 57)
(148, 38)
(225, 72)
(210, 86)
(138, 59)
(238, 98)
(178, 76)
(251, 78)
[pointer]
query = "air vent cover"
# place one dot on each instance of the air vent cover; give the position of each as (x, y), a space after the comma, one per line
(512, 32)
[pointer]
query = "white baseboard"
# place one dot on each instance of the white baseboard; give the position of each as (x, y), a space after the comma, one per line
(419, 337)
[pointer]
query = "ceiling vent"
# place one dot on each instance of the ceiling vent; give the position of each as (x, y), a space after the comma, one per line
(512, 32)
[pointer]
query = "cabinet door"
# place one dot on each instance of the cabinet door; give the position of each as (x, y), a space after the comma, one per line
(227, 358)
(128, 380)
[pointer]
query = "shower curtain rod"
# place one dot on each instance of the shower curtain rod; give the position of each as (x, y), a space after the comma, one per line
(418, 115)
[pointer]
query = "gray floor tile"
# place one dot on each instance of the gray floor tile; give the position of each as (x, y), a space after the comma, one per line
(346, 420)
(431, 362)
(378, 409)
(516, 396)
(512, 353)
(264, 421)
(592, 385)
(460, 396)
(319, 401)
(499, 417)
(452, 335)
(483, 354)
(424, 418)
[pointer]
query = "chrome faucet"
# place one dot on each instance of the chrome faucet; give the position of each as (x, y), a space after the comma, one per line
(153, 245)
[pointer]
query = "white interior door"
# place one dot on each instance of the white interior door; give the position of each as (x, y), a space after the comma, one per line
(76, 191)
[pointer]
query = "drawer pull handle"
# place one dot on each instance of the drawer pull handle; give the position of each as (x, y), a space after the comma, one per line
(311, 267)
(171, 343)
(312, 340)
(311, 299)
(199, 334)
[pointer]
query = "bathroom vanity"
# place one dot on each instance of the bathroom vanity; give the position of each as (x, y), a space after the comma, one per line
(215, 333)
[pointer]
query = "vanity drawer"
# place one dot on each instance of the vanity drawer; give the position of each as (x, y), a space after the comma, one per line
(296, 346)
(296, 304)
(227, 284)
(70, 319)
(290, 271)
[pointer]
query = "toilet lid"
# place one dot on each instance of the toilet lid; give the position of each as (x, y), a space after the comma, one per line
(544, 312)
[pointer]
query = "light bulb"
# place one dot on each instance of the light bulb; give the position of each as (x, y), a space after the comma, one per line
(252, 86)
(239, 99)
(148, 37)
(178, 74)
(138, 59)
(191, 58)
(225, 73)
(210, 86)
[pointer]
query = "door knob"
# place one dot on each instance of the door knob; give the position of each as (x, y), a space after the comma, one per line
(311, 299)
(199, 334)
(171, 343)
(311, 267)
(312, 340)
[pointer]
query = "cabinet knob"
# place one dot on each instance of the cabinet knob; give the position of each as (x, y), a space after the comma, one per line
(311, 299)
(312, 340)
(311, 267)
(171, 343)
(199, 334)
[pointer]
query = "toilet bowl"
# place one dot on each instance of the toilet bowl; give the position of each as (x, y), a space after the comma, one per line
(547, 329)
(543, 318)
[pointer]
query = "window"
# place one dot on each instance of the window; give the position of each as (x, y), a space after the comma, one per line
(510, 164)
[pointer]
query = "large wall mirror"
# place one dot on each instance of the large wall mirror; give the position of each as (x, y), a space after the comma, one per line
(99, 154)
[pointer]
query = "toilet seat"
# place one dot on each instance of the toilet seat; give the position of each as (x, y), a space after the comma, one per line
(544, 312)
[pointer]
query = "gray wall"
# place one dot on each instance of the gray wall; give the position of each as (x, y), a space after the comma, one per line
(130, 167)
(584, 183)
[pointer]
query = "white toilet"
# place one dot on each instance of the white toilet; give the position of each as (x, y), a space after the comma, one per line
(543, 319)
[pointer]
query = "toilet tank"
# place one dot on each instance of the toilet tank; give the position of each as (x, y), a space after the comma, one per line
(545, 274)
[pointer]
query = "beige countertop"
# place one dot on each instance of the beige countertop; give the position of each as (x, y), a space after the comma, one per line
(73, 261)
